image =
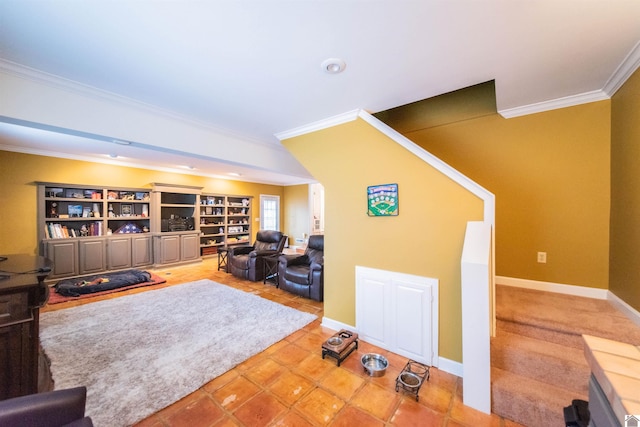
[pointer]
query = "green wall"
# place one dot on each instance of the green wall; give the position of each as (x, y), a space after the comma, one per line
(624, 277)
(425, 239)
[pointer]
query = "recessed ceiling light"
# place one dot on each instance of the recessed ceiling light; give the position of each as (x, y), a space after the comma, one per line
(121, 142)
(234, 174)
(333, 65)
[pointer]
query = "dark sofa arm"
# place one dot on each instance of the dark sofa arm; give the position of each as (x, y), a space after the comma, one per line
(291, 260)
(240, 250)
(316, 266)
(51, 409)
(265, 252)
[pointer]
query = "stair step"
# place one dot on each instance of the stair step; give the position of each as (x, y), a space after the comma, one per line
(567, 339)
(527, 401)
(542, 361)
(568, 314)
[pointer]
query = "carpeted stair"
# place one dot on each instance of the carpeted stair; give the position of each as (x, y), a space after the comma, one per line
(537, 357)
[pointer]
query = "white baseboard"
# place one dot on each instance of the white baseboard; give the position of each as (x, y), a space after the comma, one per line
(336, 326)
(581, 291)
(443, 364)
(450, 366)
(631, 312)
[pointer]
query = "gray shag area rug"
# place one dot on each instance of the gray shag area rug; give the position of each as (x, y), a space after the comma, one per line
(140, 353)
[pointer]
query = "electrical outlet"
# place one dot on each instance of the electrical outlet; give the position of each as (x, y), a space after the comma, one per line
(542, 257)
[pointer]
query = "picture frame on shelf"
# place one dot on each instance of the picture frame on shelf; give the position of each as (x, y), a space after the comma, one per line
(75, 211)
(86, 212)
(126, 210)
(72, 193)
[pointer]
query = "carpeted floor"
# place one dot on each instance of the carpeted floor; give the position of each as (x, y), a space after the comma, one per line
(537, 356)
(138, 353)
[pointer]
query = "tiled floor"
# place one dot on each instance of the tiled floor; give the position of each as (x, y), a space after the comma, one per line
(289, 384)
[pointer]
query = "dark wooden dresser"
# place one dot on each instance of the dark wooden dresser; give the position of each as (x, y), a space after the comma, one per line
(22, 293)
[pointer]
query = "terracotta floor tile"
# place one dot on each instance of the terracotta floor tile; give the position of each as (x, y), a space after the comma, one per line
(435, 397)
(312, 387)
(410, 413)
(290, 355)
(265, 372)
(376, 400)
(314, 367)
(220, 381)
(290, 387)
(202, 412)
(292, 419)
(260, 410)
(469, 416)
(227, 422)
(443, 379)
(311, 342)
(342, 382)
(235, 393)
(351, 416)
(320, 406)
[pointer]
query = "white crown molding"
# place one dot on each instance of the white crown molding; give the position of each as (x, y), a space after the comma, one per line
(628, 66)
(554, 104)
(624, 71)
(319, 125)
(61, 83)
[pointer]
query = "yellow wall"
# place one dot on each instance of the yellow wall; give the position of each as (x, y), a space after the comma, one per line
(625, 192)
(425, 239)
(18, 193)
(550, 173)
(296, 212)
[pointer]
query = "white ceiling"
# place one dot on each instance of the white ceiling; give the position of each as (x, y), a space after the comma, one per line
(249, 70)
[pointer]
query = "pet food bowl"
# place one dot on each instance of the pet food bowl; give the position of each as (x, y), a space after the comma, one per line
(374, 364)
(409, 379)
(334, 341)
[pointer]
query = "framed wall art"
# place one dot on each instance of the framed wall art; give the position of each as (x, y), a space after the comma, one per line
(382, 200)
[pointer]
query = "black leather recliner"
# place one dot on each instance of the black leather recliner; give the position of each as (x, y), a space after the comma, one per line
(304, 274)
(51, 409)
(247, 262)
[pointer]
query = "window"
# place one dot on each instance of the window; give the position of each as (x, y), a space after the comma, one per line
(269, 212)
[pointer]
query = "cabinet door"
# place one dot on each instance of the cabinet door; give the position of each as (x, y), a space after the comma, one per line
(190, 247)
(15, 374)
(64, 256)
(92, 256)
(169, 249)
(119, 253)
(141, 250)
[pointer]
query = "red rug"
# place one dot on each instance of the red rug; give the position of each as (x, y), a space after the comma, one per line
(56, 298)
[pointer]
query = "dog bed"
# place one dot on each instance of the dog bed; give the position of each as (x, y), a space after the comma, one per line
(103, 282)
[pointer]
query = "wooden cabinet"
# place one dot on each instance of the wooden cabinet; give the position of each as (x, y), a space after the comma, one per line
(86, 230)
(91, 255)
(21, 295)
(63, 254)
(224, 221)
(141, 250)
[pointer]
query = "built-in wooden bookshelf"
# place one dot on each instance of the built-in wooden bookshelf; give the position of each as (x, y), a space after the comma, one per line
(87, 229)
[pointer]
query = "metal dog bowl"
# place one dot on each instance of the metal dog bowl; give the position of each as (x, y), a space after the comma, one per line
(409, 379)
(334, 341)
(374, 364)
